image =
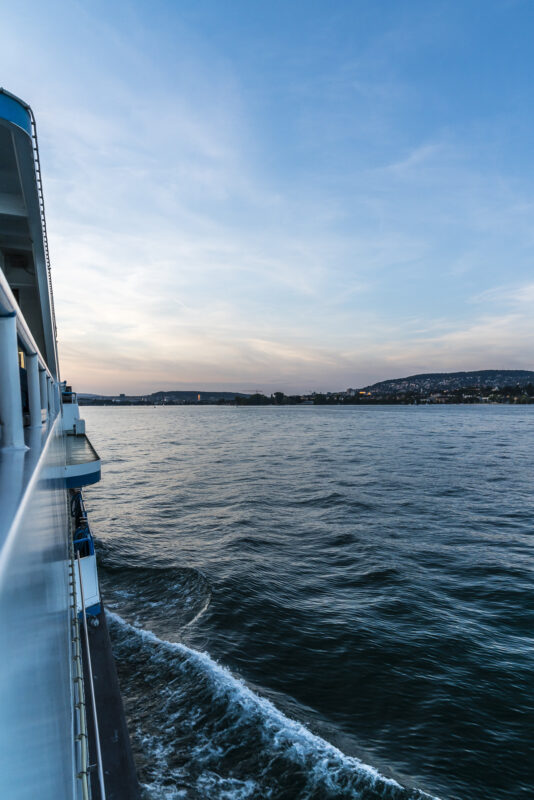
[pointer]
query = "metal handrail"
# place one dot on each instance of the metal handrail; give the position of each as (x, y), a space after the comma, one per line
(7, 300)
(91, 686)
(37, 160)
(83, 775)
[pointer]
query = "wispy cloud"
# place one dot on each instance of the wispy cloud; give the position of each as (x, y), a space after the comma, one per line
(278, 211)
(517, 296)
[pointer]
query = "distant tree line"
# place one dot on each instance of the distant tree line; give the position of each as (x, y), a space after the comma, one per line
(512, 394)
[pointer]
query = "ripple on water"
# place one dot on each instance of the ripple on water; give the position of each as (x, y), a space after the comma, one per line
(368, 568)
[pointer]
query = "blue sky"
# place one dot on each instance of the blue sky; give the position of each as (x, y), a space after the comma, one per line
(282, 195)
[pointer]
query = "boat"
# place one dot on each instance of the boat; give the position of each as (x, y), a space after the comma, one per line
(62, 727)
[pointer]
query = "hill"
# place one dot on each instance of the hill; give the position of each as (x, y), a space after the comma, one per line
(159, 398)
(439, 381)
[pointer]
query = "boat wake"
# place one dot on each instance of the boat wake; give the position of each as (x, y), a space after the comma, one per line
(168, 599)
(200, 732)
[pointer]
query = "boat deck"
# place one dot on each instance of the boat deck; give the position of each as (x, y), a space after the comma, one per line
(82, 466)
(80, 451)
(16, 470)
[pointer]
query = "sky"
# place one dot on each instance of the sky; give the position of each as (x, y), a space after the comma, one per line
(282, 195)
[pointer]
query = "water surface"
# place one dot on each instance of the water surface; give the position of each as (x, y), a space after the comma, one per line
(321, 602)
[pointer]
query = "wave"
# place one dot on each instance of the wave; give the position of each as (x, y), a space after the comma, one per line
(207, 734)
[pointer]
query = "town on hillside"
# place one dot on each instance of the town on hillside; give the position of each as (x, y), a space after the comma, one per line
(481, 386)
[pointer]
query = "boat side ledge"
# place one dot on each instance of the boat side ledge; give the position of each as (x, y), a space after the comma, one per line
(28, 490)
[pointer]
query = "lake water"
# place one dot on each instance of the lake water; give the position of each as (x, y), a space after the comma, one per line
(321, 602)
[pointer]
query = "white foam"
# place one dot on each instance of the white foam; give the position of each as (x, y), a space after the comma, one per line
(294, 739)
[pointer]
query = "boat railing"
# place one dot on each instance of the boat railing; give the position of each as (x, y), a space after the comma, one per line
(69, 397)
(98, 748)
(37, 161)
(43, 389)
(84, 545)
(81, 732)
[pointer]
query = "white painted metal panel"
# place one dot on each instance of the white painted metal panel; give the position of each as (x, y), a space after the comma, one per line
(36, 735)
(90, 582)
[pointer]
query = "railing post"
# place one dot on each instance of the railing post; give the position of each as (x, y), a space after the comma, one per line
(43, 392)
(10, 394)
(50, 395)
(34, 393)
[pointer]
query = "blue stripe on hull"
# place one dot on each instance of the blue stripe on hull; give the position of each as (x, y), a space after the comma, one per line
(83, 480)
(92, 611)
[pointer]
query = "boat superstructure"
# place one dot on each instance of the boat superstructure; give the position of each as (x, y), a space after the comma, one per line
(48, 576)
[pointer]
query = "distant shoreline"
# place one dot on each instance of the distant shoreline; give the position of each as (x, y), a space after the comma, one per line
(521, 400)
(435, 388)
